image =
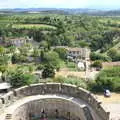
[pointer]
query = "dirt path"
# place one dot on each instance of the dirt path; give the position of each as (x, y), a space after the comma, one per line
(115, 98)
(80, 74)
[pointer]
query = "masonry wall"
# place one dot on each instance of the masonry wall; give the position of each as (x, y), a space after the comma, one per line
(55, 88)
(50, 106)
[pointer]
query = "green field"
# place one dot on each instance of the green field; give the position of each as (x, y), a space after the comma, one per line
(36, 26)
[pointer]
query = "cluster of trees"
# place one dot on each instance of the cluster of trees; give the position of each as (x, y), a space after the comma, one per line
(70, 30)
(98, 56)
(4, 59)
(114, 54)
(107, 79)
(51, 61)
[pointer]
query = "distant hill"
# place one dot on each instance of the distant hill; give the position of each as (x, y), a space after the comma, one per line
(64, 11)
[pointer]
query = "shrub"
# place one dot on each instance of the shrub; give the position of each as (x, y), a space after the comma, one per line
(108, 79)
(19, 78)
(3, 68)
(48, 71)
(114, 54)
(97, 64)
(62, 53)
(16, 58)
(59, 79)
(52, 58)
(71, 80)
(99, 56)
(40, 67)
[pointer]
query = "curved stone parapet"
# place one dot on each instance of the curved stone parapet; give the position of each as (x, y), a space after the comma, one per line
(90, 102)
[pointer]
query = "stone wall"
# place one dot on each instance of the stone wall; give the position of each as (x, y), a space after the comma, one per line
(50, 105)
(55, 88)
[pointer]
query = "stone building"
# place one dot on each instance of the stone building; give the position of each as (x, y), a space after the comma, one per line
(76, 53)
(18, 41)
(79, 53)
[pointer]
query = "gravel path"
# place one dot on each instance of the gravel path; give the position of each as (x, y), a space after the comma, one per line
(112, 104)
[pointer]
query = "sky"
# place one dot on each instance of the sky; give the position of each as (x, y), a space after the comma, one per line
(96, 4)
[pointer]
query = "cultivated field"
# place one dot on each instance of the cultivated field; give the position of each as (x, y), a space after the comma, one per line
(36, 26)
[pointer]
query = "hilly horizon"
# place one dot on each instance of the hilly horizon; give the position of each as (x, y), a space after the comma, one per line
(88, 11)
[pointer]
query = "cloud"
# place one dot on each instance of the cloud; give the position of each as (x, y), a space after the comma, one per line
(58, 3)
(43, 3)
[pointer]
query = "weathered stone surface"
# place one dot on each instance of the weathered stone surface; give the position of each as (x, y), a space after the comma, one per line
(56, 88)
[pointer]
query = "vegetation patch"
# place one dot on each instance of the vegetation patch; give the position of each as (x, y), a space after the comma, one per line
(35, 26)
(107, 79)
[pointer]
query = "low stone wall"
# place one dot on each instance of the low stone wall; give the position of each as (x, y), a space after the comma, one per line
(65, 109)
(55, 88)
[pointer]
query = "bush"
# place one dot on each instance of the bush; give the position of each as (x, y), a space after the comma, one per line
(16, 58)
(48, 71)
(98, 56)
(40, 67)
(4, 59)
(3, 68)
(76, 81)
(114, 54)
(62, 53)
(59, 79)
(97, 64)
(19, 78)
(52, 58)
(108, 79)
(71, 80)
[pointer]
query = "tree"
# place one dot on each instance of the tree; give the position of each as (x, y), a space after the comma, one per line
(42, 56)
(114, 54)
(109, 79)
(3, 68)
(99, 56)
(82, 44)
(17, 58)
(40, 67)
(12, 49)
(52, 58)
(36, 52)
(38, 35)
(44, 45)
(19, 78)
(48, 71)
(4, 60)
(2, 50)
(62, 53)
(24, 50)
(97, 42)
